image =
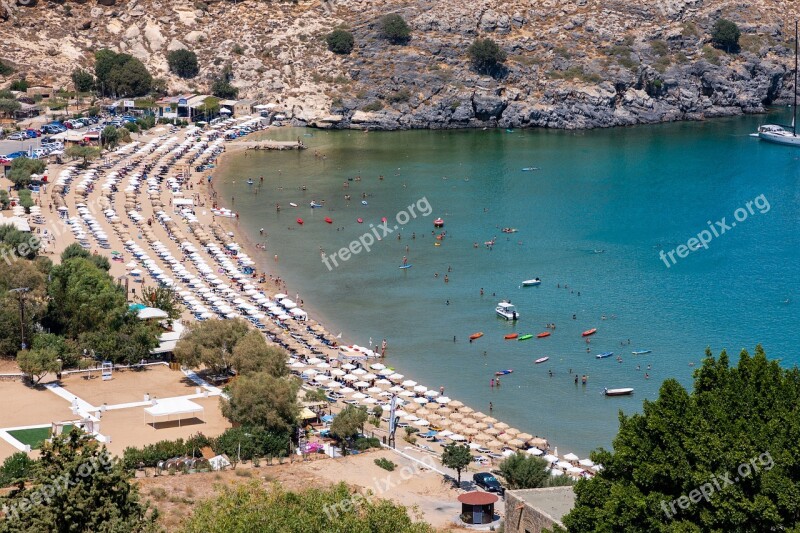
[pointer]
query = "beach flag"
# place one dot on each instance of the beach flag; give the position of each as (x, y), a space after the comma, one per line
(392, 418)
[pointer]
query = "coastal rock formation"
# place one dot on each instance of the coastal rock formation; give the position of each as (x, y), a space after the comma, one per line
(571, 63)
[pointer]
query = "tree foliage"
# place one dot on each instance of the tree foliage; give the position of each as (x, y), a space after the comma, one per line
(76, 250)
(21, 170)
(211, 343)
(87, 153)
(348, 423)
(78, 487)
(486, 56)
(121, 74)
(253, 354)
(725, 34)
(524, 471)
(222, 88)
(247, 442)
(260, 399)
(17, 467)
(183, 63)
(340, 41)
(83, 80)
(109, 136)
(737, 423)
(457, 457)
(21, 273)
(8, 106)
(36, 363)
(252, 507)
(164, 298)
(395, 29)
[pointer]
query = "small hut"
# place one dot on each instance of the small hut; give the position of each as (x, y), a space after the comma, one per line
(477, 507)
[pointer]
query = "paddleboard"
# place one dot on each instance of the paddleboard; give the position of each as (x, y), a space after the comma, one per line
(406, 266)
(292, 204)
(541, 360)
(363, 202)
(503, 372)
(525, 337)
(641, 352)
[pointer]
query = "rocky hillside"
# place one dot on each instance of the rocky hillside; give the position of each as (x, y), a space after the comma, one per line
(571, 63)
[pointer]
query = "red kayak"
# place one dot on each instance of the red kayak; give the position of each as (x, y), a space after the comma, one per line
(300, 221)
(543, 334)
(589, 332)
(476, 335)
(511, 336)
(329, 220)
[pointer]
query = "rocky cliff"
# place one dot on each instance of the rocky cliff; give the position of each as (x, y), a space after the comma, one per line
(571, 63)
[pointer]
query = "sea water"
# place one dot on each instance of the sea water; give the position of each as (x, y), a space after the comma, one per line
(592, 221)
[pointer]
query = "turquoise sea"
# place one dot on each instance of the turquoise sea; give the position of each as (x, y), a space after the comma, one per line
(591, 221)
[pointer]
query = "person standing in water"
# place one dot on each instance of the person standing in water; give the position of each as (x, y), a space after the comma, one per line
(405, 261)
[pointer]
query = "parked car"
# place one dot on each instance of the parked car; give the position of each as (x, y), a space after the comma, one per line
(487, 482)
(33, 133)
(15, 155)
(18, 136)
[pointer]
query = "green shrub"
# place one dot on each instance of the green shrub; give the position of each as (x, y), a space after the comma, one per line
(183, 63)
(237, 49)
(377, 105)
(340, 41)
(151, 454)
(386, 464)
(26, 200)
(16, 467)
(5, 69)
(486, 56)
(659, 47)
(365, 443)
(221, 88)
(249, 442)
(395, 29)
(19, 85)
(399, 96)
(725, 34)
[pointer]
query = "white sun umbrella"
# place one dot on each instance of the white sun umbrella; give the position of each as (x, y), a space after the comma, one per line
(421, 422)
(348, 366)
(397, 389)
(383, 382)
(338, 372)
(361, 384)
(409, 383)
(396, 377)
(407, 394)
(347, 390)
(571, 457)
(534, 451)
(420, 400)
(369, 375)
(556, 473)
(314, 361)
(420, 388)
(350, 377)
(457, 437)
(431, 393)
(597, 467)
(445, 433)
(584, 462)
(321, 378)
(298, 364)
(311, 372)
(323, 365)
(443, 400)
(574, 470)
(377, 366)
(563, 464)
(333, 384)
(369, 400)
(410, 418)
(375, 390)
(359, 372)
(550, 458)
(359, 396)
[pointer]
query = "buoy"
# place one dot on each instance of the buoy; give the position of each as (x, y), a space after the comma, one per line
(300, 221)
(383, 219)
(438, 223)
(360, 220)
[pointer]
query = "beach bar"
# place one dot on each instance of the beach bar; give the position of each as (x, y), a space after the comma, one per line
(169, 407)
(477, 507)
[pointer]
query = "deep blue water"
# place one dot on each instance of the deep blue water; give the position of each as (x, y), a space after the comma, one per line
(630, 192)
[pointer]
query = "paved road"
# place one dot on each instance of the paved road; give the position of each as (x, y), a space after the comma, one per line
(7, 147)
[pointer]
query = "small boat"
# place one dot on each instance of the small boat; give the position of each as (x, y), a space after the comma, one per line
(329, 220)
(618, 392)
(543, 334)
(525, 337)
(531, 282)
(511, 336)
(292, 204)
(363, 202)
(503, 372)
(300, 221)
(315, 204)
(438, 223)
(509, 230)
(641, 352)
(250, 182)
(541, 360)
(406, 266)
(360, 220)
(604, 355)
(507, 310)
(476, 336)
(437, 244)
(528, 169)
(589, 332)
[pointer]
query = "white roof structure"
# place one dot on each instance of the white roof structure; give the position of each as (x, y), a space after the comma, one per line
(172, 407)
(18, 222)
(151, 312)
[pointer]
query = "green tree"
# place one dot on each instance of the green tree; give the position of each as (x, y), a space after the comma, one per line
(36, 363)
(456, 457)
(87, 153)
(348, 423)
(253, 354)
(183, 63)
(738, 421)
(123, 338)
(486, 56)
(340, 41)
(725, 34)
(222, 88)
(65, 350)
(524, 471)
(21, 170)
(263, 400)
(121, 74)
(109, 136)
(8, 106)
(395, 29)
(163, 298)
(86, 490)
(5, 200)
(83, 80)
(209, 107)
(16, 468)
(252, 507)
(19, 274)
(315, 395)
(76, 250)
(248, 442)
(211, 343)
(19, 85)
(5, 69)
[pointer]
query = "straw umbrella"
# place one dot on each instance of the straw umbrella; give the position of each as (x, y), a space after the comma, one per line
(524, 437)
(466, 410)
(423, 412)
(494, 444)
(482, 437)
(457, 416)
(481, 426)
(512, 431)
(478, 415)
(492, 431)
(502, 426)
(505, 437)
(455, 404)
(469, 421)
(458, 428)
(490, 420)
(411, 406)
(538, 442)
(516, 443)
(469, 431)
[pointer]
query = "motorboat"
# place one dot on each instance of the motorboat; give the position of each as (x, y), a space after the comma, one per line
(250, 182)
(292, 204)
(604, 355)
(509, 230)
(541, 360)
(531, 282)
(438, 223)
(315, 204)
(589, 332)
(507, 311)
(641, 352)
(618, 392)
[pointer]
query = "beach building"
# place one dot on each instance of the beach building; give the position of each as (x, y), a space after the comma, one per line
(44, 92)
(18, 222)
(534, 510)
(174, 107)
(243, 108)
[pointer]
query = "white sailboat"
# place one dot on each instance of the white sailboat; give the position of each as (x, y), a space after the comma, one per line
(776, 133)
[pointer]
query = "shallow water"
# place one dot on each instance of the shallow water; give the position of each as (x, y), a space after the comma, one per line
(593, 218)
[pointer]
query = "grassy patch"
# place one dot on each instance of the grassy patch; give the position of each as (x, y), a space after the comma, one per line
(690, 29)
(36, 436)
(622, 53)
(399, 96)
(376, 105)
(573, 73)
(711, 54)
(386, 464)
(659, 47)
(662, 63)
